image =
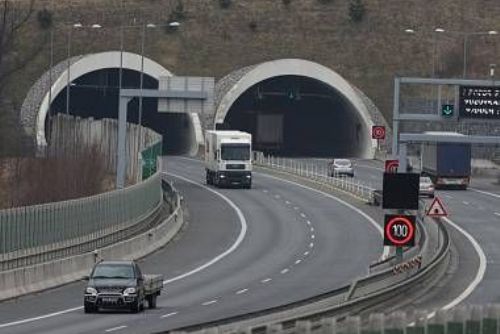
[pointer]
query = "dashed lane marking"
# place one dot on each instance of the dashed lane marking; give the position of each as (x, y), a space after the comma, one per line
(266, 280)
(298, 261)
(168, 315)
(284, 271)
(209, 302)
(115, 329)
(239, 292)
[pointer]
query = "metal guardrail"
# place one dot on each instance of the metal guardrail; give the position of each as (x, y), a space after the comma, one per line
(317, 173)
(40, 233)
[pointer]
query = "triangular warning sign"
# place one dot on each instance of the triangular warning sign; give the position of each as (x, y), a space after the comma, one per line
(437, 209)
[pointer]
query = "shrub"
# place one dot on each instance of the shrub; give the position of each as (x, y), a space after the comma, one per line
(356, 10)
(225, 3)
(44, 18)
(252, 25)
(178, 13)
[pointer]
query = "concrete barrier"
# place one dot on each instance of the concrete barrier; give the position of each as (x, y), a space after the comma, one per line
(18, 282)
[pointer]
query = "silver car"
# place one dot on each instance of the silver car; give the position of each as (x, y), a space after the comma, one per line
(426, 187)
(339, 167)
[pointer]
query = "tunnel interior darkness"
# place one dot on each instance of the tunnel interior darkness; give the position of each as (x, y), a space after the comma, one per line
(297, 116)
(95, 94)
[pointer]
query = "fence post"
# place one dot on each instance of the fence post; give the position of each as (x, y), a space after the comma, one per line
(490, 319)
(328, 326)
(375, 324)
(303, 327)
(437, 324)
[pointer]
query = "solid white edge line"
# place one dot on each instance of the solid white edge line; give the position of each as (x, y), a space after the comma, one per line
(115, 328)
(231, 249)
(385, 252)
(480, 271)
(45, 316)
(485, 192)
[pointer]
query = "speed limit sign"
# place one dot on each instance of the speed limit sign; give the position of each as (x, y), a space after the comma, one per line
(399, 230)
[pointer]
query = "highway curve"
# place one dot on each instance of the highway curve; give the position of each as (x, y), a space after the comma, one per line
(297, 243)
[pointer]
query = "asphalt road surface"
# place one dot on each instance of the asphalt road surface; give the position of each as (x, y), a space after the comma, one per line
(241, 251)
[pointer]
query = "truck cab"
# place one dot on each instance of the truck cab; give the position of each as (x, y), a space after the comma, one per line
(228, 157)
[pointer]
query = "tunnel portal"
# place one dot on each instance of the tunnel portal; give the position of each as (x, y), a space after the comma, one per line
(297, 116)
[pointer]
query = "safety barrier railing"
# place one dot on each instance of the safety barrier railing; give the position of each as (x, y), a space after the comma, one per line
(40, 233)
(318, 173)
(471, 319)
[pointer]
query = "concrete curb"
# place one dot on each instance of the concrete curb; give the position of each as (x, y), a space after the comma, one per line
(21, 281)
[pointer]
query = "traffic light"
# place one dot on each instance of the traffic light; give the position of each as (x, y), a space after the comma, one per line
(447, 110)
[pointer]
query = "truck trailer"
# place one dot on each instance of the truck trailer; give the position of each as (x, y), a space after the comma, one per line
(447, 164)
(228, 158)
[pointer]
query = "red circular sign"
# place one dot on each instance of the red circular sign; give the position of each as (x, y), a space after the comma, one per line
(399, 231)
(378, 132)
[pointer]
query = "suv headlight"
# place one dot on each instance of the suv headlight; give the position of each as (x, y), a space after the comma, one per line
(129, 291)
(222, 176)
(91, 291)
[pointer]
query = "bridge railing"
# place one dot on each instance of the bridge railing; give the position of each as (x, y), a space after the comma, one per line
(317, 173)
(40, 233)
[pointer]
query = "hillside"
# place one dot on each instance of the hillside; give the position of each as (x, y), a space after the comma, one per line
(214, 41)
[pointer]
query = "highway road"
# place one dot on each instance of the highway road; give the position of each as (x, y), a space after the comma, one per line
(241, 251)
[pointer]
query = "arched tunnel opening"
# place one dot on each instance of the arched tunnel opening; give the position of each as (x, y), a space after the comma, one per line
(95, 94)
(298, 116)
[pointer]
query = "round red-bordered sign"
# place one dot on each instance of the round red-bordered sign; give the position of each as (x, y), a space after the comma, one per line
(378, 132)
(401, 220)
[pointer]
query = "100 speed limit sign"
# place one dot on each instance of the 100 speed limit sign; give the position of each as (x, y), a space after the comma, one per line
(399, 230)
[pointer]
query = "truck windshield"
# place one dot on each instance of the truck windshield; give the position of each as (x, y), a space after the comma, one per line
(235, 152)
(113, 271)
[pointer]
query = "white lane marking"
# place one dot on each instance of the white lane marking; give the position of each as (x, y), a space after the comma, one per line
(115, 329)
(231, 249)
(306, 253)
(496, 213)
(372, 221)
(312, 229)
(265, 191)
(311, 245)
(448, 196)
(284, 271)
(480, 271)
(45, 316)
(298, 261)
(485, 193)
(168, 315)
(288, 202)
(303, 215)
(313, 236)
(266, 280)
(465, 202)
(209, 302)
(308, 222)
(239, 292)
(277, 196)
(296, 208)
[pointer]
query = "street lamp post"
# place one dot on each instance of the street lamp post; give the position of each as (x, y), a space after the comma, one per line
(68, 78)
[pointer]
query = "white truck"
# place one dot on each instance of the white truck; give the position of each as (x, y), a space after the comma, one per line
(228, 158)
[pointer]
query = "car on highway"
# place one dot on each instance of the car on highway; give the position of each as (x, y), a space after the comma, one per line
(120, 284)
(339, 167)
(426, 187)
